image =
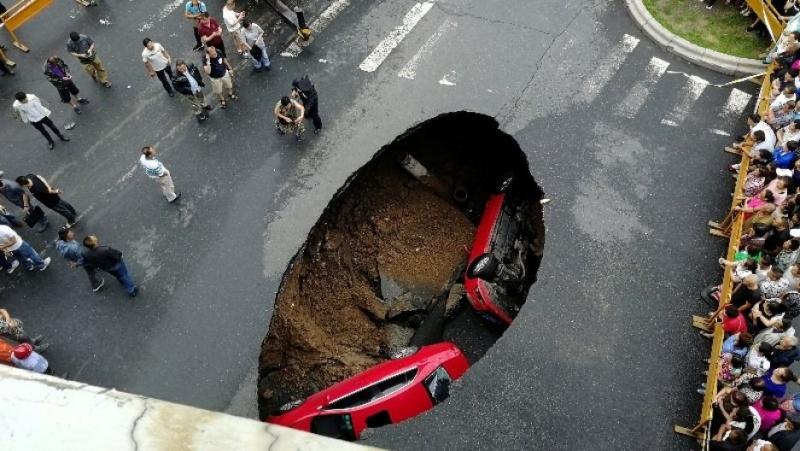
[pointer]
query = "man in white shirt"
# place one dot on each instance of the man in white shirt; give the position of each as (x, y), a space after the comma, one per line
(253, 37)
(157, 63)
(233, 23)
(755, 123)
(156, 171)
(12, 243)
(29, 109)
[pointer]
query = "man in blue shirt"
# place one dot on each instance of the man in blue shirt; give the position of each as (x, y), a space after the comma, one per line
(194, 10)
(73, 252)
(785, 156)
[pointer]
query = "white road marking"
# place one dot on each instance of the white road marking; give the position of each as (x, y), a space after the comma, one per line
(165, 11)
(638, 94)
(719, 132)
(449, 79)
(319, 24)
(385, 47)
(689, 94)
(409, 71)
(607, 68)
(735, 104)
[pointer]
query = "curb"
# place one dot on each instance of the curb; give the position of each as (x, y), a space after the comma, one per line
(710, 59)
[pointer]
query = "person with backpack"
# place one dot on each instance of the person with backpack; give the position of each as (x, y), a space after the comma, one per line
(189, 82)
(306, 92)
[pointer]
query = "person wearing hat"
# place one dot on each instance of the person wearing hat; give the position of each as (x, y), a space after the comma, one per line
(306, 92)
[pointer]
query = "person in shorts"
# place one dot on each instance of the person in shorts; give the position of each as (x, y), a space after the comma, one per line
(220, 73)
(58, 75)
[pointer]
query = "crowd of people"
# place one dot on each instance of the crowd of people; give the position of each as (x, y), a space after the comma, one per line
(753, 409)
(30, 192)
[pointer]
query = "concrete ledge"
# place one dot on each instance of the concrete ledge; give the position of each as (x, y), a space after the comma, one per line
(47, 413)
(710, 59)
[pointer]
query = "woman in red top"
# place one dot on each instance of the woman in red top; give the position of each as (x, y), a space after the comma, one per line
(211, 33)
(733, 322)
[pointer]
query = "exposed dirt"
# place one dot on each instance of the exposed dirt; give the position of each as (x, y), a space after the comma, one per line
(330, 309)
(386, 249)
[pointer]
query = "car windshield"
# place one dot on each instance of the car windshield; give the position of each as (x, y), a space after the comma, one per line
(438, 385)
(374, 391)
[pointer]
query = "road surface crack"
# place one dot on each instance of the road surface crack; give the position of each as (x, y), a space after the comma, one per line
(451, 12)
(136, 424)
(509, 115)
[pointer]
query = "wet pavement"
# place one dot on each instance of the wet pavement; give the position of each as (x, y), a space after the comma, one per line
(601, 357)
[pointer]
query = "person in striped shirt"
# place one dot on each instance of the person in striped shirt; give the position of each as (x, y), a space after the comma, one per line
(156, 171)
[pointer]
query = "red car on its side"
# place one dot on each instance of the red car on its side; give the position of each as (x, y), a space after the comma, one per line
(497, 276)
(390, 392)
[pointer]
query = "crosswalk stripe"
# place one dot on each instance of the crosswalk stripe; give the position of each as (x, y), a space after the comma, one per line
(409, 71)
(736, 103)
(318, 25)
(385, 47)
(607, 68)
(638, 94)
(690, 92)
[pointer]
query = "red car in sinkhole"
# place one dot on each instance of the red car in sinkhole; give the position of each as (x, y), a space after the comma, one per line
(498, 276)
(390, 392)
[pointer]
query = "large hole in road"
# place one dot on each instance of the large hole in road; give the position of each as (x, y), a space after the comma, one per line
(438, 238)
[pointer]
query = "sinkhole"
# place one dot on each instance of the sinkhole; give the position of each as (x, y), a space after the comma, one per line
(412, 272)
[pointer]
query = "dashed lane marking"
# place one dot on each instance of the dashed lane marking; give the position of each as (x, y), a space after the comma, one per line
(689, 94)
(638, 94)
(409, 71)
(385, 47)
(607, 68)
(319, 24)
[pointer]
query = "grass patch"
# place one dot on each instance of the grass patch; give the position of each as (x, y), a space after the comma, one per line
(721, 29)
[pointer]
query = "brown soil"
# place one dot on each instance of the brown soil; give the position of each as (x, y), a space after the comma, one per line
(330, 322)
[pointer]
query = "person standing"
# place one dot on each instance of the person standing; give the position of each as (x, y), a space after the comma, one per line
(83, 48)
(303, 89)
(58, 75)
(29, 109)
(253, 37)
(233, 22)
(12, 243)
(34, 216)
(157, 62)
(193, 11)
(49, 197)
(211, 33)
(73, 253)
(156, 171)
(220, 72)
(109, 260)
(289, 116)
(189, 82)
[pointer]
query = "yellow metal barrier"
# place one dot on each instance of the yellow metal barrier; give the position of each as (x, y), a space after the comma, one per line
(18, 14)
(769, 16)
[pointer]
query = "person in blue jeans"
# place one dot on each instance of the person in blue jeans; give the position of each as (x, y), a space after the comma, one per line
(109, 260)
(12, 243)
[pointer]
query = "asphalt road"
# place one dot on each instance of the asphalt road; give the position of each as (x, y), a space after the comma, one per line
(601, 357)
